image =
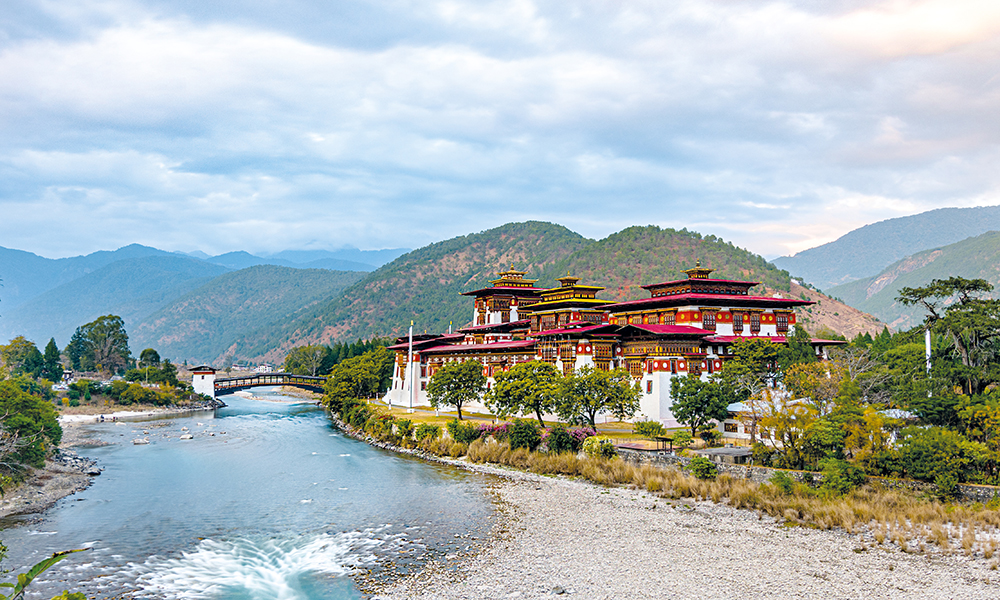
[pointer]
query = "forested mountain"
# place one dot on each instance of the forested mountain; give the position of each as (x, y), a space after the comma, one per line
(426, 285)
(203, 325)
(868, 250)
(977, 257)
(242, 260)
(130, 288)
(25, 275)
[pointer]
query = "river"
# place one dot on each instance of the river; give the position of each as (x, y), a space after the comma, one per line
(267, 501)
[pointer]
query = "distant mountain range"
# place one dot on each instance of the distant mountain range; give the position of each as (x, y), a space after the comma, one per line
(240, 306)
(974, 258)
(866, 251)
(42, 298)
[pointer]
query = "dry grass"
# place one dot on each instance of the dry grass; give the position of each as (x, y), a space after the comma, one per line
(911, 522)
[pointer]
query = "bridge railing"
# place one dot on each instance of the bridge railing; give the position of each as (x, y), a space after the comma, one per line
(263, 379)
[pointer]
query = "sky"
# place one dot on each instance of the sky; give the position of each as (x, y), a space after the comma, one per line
(265, 125)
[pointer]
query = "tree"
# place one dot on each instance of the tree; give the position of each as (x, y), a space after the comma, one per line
(751, 371)
(76, 349)
(697, 403)
(106, 343)
(971, 323)
(799, 350)
(455, 384)
(359, 377)
(149, 358)
(52, 368)
(307, 360)
(18, 354)
(28, 428)
(588, 392)
(528, 387)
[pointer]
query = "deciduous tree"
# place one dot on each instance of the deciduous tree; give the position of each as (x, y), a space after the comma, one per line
(588, 392)
(697, 403)
(456, 384)
(531, 387)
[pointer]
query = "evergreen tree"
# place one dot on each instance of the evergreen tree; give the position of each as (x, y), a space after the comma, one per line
(52, 366)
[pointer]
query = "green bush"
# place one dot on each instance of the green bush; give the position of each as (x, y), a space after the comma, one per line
(599, 446)
(559, 440)
(761, 454)
(683, 439)
(702, 468)
(946, 487)
(463, 433)
(404, 428)
(783, 482)
(711, 436)
(426, 430)
(841, 476)
(524, 433)
(648, 429)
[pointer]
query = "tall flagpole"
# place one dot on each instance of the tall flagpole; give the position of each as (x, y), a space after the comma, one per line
(409, 367)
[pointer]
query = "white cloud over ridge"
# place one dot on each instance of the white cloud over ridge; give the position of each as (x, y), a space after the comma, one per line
(776, 125)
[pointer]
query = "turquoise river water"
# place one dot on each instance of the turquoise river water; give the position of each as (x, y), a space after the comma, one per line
(276, 505)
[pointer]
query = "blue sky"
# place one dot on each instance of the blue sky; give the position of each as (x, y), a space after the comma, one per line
(264, 125)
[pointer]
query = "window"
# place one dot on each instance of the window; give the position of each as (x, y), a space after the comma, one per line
(423, 370)
(423, 386)
(673, 366)
(782, 323)
(755, 323)
(669, 319)
(731, 428)
(738, 323)
(708, 321)
(649, 387)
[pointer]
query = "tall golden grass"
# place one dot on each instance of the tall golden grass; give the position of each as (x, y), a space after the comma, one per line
(878, 515)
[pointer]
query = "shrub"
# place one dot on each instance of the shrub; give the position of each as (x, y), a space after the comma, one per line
(683, 439)
(841, 476)
(783, 482)
(599, 447)
(648, 429)
(579, 435)
(711, 436)
(524, 434)
(464, 433)
(702, 468)
(560, 440)
(496, 431)
(458, 449)
(404, 428)
(426, 430)
(761, 454)
(946, 486)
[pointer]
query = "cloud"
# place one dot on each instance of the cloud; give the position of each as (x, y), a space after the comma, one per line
(388, 123)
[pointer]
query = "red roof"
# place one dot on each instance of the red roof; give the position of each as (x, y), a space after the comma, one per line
(496, 347)
(435, 341)
(508, 325)
(524, 291)
(685, 281)
(668, 329)
(731, 300)
(777, 339)
(572, 330)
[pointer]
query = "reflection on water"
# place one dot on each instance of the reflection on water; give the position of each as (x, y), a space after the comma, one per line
(266, 501)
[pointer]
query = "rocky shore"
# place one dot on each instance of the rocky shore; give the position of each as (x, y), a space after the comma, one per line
(570, 538)
(65, 473)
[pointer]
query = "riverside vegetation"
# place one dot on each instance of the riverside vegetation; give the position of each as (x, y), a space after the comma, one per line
(834, 416)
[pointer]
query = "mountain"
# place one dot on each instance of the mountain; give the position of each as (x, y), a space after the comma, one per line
(131, 288)
(867, 251)
(977, 257)
(374, 258)
(25, 275)
(426, 284)
(204, 324)
(242, 260)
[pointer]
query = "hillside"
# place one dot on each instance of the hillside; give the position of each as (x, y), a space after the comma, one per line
(25, 275)
(977, 257)
(426, 285)
(131, 288)
(242, 260)
(204, 324)
(868, 250)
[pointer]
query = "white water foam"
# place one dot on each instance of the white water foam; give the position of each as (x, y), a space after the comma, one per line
(267, 569)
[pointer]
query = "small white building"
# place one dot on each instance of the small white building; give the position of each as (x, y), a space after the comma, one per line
(203, 380)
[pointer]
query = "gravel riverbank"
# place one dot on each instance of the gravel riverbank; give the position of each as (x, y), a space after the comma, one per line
(577, 539)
